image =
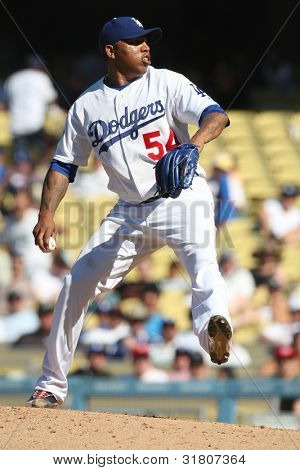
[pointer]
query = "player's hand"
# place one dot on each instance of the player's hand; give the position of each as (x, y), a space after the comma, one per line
(44, 229)
(176, 170)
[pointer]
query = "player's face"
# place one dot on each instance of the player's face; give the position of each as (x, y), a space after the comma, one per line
(132, 56)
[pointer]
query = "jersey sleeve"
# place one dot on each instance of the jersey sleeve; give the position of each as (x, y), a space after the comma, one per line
(191, 104)
(74, 146)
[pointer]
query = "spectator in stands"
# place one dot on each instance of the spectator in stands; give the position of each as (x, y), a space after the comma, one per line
(227, 188)
(111, 336)
(176, 279)
(97, 317)
(181, 370)
(268, 258)
(285, 365)
(130, 290)
(163, 353)
(144, 369)
(21, 174)
(294, 308)
(281, 218)
(279, 316)
(240, 288)
(17, 321)
(61, 263)
(137, 334)
(292, 370)
(278, 73)
(97, 363)
(236, 187)
(154, 322)
(18, 282)
(28, 92)
(3, 168)
(39, 337)
(199, 370)
(17, 234)
(144, 269)
(296, 338)
(47, 285)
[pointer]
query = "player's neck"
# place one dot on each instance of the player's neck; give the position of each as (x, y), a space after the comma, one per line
(116, 79)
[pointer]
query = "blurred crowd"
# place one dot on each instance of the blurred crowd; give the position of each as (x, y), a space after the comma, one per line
(132, 324)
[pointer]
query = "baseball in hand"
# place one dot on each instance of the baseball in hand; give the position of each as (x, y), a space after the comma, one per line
(51, 244)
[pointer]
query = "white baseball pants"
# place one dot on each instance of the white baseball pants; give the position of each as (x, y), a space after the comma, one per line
(127, 234)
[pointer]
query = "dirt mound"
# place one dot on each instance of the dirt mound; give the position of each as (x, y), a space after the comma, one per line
(29, 428)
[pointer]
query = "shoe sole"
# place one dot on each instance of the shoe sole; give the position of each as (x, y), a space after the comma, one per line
(42, 404)
(219, 336)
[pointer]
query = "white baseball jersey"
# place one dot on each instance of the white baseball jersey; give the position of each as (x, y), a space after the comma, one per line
(130, 128)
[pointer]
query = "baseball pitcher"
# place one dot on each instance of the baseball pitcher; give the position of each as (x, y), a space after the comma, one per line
(135, 119)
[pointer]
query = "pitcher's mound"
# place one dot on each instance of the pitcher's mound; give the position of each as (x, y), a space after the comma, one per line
(31, 428)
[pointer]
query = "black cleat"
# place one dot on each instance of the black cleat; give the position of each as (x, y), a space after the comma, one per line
(42, 399)
(219, 336)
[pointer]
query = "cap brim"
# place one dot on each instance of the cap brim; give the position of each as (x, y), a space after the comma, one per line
(153, 35)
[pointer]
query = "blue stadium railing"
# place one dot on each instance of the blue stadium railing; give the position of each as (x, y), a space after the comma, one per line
(226, 392)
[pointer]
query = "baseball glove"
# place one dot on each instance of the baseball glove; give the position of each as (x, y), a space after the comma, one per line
(176, 169)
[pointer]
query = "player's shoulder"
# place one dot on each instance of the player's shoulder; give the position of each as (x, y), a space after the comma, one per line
(167, 79)
(88, 95)
(17, 77)
(18, 74)
(166, 74)
(272, 204)
(91, 91)
(29, 73)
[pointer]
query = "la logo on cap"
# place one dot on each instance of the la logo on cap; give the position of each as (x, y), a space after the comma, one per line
(137, 22)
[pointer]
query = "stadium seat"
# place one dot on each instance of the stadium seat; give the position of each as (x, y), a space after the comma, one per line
(173, 305)
(5, 135)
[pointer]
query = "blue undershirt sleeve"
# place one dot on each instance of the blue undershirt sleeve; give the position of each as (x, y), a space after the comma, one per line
(214, 108)
(67, 169)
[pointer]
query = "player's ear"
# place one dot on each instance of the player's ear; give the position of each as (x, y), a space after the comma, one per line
(109, 51)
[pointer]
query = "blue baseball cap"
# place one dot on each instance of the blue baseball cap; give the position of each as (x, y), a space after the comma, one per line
(289, 190)
(126, 27)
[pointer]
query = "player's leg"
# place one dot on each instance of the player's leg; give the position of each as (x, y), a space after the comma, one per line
(190, 232)
(112, 252)
(211, 320)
